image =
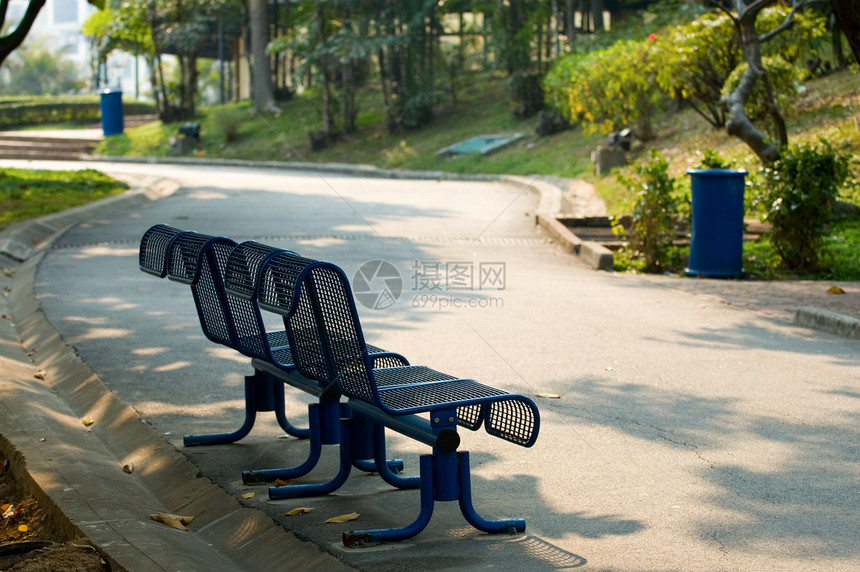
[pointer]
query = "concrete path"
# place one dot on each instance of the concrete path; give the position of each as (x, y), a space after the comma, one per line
(688, 434)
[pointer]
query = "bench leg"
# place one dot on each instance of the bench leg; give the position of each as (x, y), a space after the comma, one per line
(364, 538)
(270, 475)
(445, 476)
(226, 438)
(493, 526)
(368, 451)
(319, 489)
(262, 393)
(384, 467)
(275, 388)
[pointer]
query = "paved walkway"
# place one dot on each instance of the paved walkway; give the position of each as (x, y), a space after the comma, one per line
(697, 428)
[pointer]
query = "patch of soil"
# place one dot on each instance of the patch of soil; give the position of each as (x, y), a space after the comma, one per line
(29, 541)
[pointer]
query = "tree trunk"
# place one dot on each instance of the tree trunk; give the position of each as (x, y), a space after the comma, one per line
(10, 42)
(348, 96)
(597, 14)
(264, 94)
(569, 29)
(848, 16)
(323, 70)
(739, 124)
(156, 92)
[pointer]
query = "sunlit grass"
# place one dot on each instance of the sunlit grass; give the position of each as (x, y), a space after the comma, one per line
(28, 194)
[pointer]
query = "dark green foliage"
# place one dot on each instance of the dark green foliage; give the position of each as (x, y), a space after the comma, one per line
(713, 160)
(799, 192)
(653, 228)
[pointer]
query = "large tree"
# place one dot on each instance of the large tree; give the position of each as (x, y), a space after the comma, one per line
(264, 95)
(10, 41)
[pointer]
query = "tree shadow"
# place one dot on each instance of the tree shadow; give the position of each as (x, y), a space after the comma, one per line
(781, 482)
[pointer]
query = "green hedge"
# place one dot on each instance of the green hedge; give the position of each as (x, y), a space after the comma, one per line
(21, 112)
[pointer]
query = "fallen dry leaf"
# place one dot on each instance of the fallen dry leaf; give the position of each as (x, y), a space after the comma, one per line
(548, 395)
(344, 518)
(87, 421)
(835, 290)
(6, 316)
(128, 468)
(41, 374)
(172, 520)
(31, 353)
(23, 528)
(280, 483)
(249, 495)
(298, 510)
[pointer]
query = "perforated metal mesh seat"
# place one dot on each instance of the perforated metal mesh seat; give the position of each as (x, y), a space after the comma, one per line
(316, 302)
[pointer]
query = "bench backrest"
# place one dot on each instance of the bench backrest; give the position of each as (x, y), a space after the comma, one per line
(240, 280)
(321, 321)
(199, 260)
(154, 248)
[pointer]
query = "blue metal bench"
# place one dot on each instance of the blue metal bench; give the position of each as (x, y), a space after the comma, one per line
(199, 260)
(222, 275)
(274, 364)
(328, 346)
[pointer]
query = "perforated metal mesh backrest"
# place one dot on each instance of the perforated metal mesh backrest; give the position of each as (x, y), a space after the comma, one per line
(153, 249)
(277, 293)
(183, 257)
(324, 332)
(200, 260)
(243, 268)
(240, 278)
(342, 336)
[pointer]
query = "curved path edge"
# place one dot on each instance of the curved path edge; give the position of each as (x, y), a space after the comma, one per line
(76, 470)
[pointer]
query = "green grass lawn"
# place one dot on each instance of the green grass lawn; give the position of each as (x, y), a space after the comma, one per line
(26, 194)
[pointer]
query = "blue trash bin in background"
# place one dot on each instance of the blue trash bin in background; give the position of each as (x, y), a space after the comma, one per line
(110, 106)
(717, 228)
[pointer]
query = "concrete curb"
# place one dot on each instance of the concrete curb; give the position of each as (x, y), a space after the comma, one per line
(47, 392)
(828, 321)
(596, 255)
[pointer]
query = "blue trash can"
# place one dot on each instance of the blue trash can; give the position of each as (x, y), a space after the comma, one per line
(111, 111)
(717, 233)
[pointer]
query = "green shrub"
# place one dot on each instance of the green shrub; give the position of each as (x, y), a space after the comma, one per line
(654, 225)
(229, 120)
(712, 159)
(800, 190)
(607, 89)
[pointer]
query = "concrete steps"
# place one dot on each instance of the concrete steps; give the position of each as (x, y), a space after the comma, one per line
(28, 147)
(61, 145)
